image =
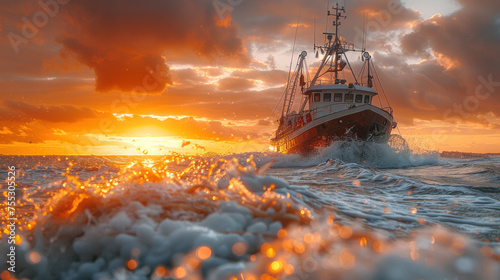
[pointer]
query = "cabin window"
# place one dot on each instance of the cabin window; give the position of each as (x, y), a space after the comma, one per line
(327, 97)
(317, 97)
(367, 99)
(337, 97)
(359, 98)
(349, 97)
(311, 98)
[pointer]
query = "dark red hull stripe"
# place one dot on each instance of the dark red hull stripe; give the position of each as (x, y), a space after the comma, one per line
(362, 125)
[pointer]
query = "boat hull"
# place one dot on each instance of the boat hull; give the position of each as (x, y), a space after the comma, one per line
(366, 123)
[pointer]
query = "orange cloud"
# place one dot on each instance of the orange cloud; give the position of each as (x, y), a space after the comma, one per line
(6, 130)
(235, 84)
(126, 46)
(22, 111)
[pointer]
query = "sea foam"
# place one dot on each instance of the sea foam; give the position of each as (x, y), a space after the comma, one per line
(221, 219)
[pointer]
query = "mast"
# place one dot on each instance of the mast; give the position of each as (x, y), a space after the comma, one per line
(334, 49)
(339, 50)
(368, 57)
(337, 22)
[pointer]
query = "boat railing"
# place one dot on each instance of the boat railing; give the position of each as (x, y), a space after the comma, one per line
(348, 106)
(287, 130)
(388, 110)
(329, 108)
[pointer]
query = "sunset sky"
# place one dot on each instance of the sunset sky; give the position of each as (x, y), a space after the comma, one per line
(141, 77)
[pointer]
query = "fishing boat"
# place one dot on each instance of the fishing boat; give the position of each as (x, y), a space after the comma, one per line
(336, 104)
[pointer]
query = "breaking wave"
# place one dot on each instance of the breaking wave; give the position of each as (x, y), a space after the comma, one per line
(395, 154)
(201, 218)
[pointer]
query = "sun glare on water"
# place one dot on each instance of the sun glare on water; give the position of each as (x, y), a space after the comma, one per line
(171, 217)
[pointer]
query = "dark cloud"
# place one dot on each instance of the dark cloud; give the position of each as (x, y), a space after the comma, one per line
(123, 43)
(20, 111)
(272, 23)
(462, 52)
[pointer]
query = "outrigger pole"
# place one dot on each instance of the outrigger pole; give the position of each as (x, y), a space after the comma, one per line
(291, 89)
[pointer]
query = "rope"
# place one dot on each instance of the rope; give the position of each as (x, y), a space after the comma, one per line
(360, 75)
(274, 111)
(364, 30)
(383, 91)
(382, 87)
(291, 62)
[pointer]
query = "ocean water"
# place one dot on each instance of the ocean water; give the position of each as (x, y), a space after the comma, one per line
(352, 211)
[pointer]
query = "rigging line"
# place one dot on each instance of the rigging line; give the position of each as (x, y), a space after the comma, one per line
(361, 73)
(378, 95)
(367, 19)
(382, 87)
(279, 102)
(380, 101)
(314, 36)
(366, 32)
(349, 64)
(277, 105)
(375, 85)
(385, 95)
(294, 42)
(326, 23)
(291, 62)
(365, 24)
(306, 70)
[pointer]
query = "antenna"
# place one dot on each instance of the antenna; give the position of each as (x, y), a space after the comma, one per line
(314, 23)
(364, 31)
(328, 13)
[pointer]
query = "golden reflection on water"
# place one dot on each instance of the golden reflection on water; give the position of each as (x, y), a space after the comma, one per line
(329, 246)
